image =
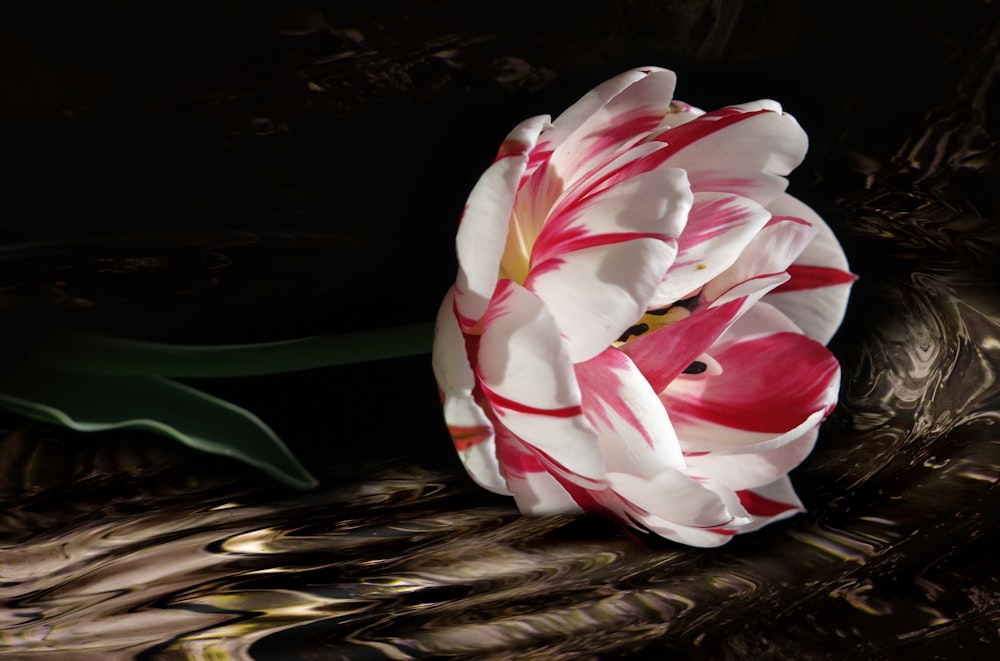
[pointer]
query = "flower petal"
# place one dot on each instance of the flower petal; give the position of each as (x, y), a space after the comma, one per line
(816, 295)
(746, 149)
(770, 503)
(676, 507)
(671, 495)
(469, 426)
(752, 469)
(678, 113)
(536, 491)
(664, 354)
(772, 250)
(483, 229)
(719, 227)
(527, 377)
(597, 275)
(772, 389)
(590, 133)
(449, 358)
(635, 433)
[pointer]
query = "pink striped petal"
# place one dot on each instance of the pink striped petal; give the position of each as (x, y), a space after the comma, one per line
(571, 119)
(746, 150)
(772, 250)
(449, 358)
(678, 113)
(526, 375)
(635, 433)
(719, 228)
(772, 389)
(536, 491)
(676, 507)
(597, 293)
(651, 205)
(816, 295)
(483, 230)
(612, 127)
(753, 469)
(598, 275)
(469, 426)
(770, 503)
(542, 197)
(664, 354)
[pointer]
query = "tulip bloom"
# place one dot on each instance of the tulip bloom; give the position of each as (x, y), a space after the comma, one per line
(638, 322)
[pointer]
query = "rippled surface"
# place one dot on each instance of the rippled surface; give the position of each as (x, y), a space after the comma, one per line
(122, 546)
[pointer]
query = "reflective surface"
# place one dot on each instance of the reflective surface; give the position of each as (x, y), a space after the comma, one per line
(260, 203)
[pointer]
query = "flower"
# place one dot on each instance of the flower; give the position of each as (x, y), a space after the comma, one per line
(638, 322)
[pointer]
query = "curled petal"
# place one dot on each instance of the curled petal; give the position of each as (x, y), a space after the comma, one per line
(634, 430)
(664, 354)
(527, 378)
(599, 272)
(469, 426)
(770, 503)
(536, 490)
(772, 250)
(483, 230)
(449, 358)
(589, 133)
(772, 389)
(746, 150)
(719, 228)
(816, 295)
(676, 507)
(752, 469)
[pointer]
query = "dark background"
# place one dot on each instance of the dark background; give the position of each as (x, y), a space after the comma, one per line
(223, 171)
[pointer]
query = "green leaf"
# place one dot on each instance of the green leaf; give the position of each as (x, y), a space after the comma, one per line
(94, 402)
(101, 354)
(92, 382)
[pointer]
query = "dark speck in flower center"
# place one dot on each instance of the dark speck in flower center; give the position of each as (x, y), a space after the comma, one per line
(636, 331)
(697, 367)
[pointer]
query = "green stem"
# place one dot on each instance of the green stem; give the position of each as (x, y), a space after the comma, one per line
(99, 354)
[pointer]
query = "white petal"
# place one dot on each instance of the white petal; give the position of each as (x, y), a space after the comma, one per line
(597, 293)
(719, 228)
(673, 496)
(772, 250)
(470, 428)
(770, 503)
(526, 374)
(754, 469)
(598, 267)
(675, 507)
(609, 128)
(818, 310)
(482, 233)
(536, 491)
(448, 356)
(746, 149)
(635, 433)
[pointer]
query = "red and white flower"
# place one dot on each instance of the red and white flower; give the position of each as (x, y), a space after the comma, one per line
(640, 313)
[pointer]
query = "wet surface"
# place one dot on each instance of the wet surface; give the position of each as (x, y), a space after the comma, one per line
(277, 173)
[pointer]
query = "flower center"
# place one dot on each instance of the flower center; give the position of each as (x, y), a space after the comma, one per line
(653, 320)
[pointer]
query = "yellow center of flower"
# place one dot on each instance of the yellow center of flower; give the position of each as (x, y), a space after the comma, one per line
(651, 321)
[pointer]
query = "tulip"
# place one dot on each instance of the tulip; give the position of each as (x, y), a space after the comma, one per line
(638, 322)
